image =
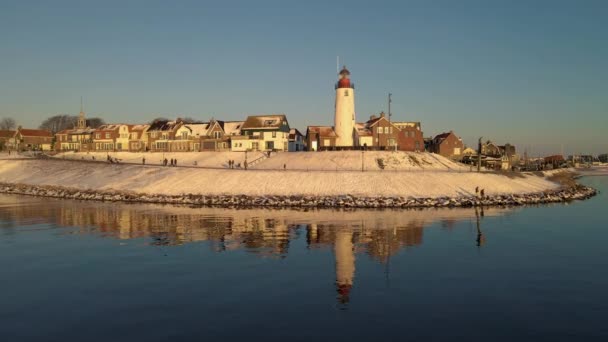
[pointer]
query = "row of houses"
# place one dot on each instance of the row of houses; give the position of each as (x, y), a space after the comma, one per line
(26, 139)
(256, 133)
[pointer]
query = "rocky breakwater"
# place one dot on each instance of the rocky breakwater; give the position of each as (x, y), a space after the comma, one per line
(565, 194)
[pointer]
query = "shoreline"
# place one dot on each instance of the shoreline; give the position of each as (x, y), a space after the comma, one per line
(560, 195)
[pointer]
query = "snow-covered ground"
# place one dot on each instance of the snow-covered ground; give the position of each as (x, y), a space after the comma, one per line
(305, 161)
(176, 180)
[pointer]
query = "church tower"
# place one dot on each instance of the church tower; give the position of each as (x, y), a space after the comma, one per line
(345, 110)
(82, 121)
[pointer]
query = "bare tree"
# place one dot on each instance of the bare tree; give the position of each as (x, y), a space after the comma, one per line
(95, 122)
(58, 123)
(159, 119)
(7, 124)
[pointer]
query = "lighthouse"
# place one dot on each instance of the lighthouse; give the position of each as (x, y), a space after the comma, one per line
(345, 110)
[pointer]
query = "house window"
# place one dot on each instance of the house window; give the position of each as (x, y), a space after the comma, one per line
(98, 136)
(326, 142)
(274, 134)
(153, 134)
(390, 130)
(185, 135)
(217, 134)
(107, 135)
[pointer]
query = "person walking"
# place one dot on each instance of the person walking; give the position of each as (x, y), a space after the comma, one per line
(245, 164)
(143, 161)
(175, 162)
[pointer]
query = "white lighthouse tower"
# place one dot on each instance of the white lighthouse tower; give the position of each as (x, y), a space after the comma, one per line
(345, 110)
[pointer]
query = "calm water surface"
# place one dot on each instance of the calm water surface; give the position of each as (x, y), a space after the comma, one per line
(88, 271)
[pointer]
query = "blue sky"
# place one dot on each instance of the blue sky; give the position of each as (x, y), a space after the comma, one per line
(533, 73)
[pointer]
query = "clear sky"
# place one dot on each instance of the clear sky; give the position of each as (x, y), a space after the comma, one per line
(533, 73)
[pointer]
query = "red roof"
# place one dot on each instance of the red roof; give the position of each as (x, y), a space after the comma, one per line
(35, 133)
(6, 134)
(323, 131)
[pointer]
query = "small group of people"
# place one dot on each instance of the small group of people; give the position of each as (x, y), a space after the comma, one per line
(111, 160)
(172, 162)
(481, 192)
(231, 164)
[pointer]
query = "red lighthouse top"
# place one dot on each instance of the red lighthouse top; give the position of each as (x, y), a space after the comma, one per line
(344, 79)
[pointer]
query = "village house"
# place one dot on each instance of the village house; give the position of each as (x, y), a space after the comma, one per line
(263, 133)
(7, 139)
(161, 133)
(490, 149)
(410, 136)
(385, 135)
(447, 145)
(320, 138)
(219, 135)
(112, 137)
(138, 138)
(33, 139)
(296, 140)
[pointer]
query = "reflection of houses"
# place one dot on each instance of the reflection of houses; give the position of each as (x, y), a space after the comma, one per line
(263, 133)
(447, 145)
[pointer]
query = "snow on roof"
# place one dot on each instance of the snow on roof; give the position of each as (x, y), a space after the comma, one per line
(264, 121)
(323, 131)
(362, 130)
(198, 130)
(138, 127)
(233, 127)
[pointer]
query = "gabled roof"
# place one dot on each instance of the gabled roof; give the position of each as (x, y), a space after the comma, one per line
(199, 130)
(293, 133)
(35, 133)
(162, 125)
(233, 127)
(442, 136)
(264, 121)
(7, 133)
(362, 130)
(322, 131)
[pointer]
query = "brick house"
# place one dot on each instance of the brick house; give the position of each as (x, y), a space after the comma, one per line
(7, 139)
(447, 145)
(385, 135)
(320, 138)
(33, 139)
(263, 133)
(410, 136)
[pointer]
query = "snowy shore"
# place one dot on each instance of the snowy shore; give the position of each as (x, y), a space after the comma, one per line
(157, 184)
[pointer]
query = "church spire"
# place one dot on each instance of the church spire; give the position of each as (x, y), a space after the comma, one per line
(82, 121)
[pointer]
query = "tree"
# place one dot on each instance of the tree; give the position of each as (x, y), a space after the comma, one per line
(159, 119)
(7, 124)
(59, 122)
(95, 122)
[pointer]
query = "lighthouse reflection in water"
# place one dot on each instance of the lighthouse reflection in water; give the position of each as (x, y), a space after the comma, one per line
(266, 233)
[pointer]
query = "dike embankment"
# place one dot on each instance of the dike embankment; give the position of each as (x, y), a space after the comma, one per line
(577, 192)
(262, 188)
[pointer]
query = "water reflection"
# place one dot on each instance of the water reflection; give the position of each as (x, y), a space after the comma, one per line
(379, 234)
